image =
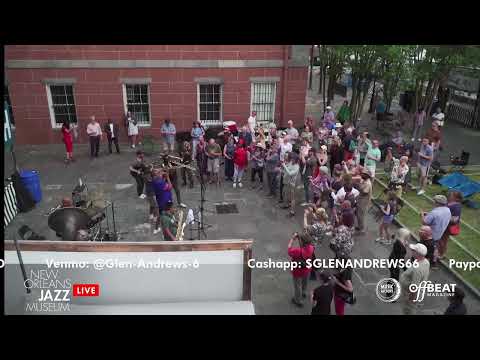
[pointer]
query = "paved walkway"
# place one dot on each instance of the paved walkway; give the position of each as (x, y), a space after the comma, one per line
(259, 218)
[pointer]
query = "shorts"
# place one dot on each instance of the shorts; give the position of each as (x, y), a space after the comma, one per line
(213, 165)
(387, 219)
(423, 170)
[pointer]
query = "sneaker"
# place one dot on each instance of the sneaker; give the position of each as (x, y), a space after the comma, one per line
(413, 139)
(143, 196)
(234, 185)
(419, 139)
(156, 231)
(380, 239)
(386, 242)
(304, 204)
(183, 205)
(151, 217)
(240, 185)
(421, 192)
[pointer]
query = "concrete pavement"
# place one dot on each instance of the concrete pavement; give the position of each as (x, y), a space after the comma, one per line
(258, 218)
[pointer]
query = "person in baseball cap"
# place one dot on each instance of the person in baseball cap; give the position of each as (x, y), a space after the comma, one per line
(440, 200)
(425, 234)
(419, 249)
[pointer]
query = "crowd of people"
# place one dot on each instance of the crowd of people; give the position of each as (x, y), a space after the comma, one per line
(333, 162)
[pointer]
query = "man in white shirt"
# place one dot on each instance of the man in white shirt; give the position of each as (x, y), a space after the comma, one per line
(292, 132)
(252, 122)
(285, 147)
(439, 118)
(94, 132)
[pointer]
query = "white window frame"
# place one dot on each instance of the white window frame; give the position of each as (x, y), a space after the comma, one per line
(252, 93)
(125, 107)
(50, 103)
(220, 121)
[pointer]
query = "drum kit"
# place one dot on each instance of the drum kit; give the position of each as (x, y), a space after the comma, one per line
(83, 221)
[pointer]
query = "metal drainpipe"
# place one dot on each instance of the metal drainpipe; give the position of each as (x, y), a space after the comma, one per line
(285, 85)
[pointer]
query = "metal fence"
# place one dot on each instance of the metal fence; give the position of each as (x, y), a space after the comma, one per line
(463, 114)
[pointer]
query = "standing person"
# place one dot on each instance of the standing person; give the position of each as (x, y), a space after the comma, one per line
(240, 162)
(132, 129)
(258, 163)
(439, 117)
(162, 186)
(162, 191)
(150, 194)
(213, 152)
(272, 163)
(228, 152)
(456, 307)
(438, 219)
(372, 157)
(380, 110)
(399, 251)
(418, 125)
(169, 223)
(425, 157)
(172, 175)
(398, 174)
(342, 242)
(246, 136)
(434, 136)
(291, 170)
(349, 145)
(336, 153)
(300, 255)
(137, 171)
(320, 228)
(112, 130)
(363, 202)
(322, 296)
(284, 148)
(363, 145)
(201, 157)
(455, 199)
(292, 132)
(322, 156)
(389, 211)
(168, 132)
(425, 235)
(186, 155)
(344, 113)
(414, 275)
(307, 134)
(309, 123)
(197, 132)
(329, 118)
(94, 131)
(308, 164)
(67, 140)
(252, 122)
(343, 287)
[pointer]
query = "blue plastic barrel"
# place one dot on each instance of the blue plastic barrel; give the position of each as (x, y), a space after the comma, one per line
(31, 180)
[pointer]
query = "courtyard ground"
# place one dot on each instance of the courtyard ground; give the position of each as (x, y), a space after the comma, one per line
(259, 218)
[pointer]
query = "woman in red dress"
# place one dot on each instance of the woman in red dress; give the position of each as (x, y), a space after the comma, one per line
(68, 140)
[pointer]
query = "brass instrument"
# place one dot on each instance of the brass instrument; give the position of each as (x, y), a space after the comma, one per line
(170, 162)
(180, 227)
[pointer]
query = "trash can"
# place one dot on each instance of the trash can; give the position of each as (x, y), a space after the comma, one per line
(31, 180)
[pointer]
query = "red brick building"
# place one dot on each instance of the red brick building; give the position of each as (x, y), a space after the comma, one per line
(211, 83)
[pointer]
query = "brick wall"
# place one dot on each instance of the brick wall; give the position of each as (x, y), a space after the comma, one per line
(173, 92)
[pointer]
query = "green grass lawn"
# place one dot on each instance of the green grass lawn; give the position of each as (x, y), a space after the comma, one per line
(468, 238)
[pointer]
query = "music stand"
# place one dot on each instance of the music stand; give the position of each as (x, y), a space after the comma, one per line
(201, 224)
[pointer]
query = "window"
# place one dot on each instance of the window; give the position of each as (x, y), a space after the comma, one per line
(263, 101)
(62, 104)
(6, 100)
(137, 101)
(210, 104)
